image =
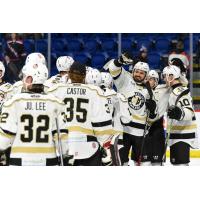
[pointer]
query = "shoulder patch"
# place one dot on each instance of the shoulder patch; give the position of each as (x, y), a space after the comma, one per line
(177, 91)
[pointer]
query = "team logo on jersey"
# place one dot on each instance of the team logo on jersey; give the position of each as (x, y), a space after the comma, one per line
(136, 101)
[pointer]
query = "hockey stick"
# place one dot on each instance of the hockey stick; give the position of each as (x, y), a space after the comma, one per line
(59, 143)
(170, 126)
(146, 126)
(115, 152)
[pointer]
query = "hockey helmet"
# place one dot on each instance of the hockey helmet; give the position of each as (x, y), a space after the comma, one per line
(106, 79)
(64, 63)
(141, 66)
(174, 71)
(153, 74)
(93, 77)
(35, 58)
(38, 72)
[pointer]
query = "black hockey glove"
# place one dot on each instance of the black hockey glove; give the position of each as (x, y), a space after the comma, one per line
(150, 105)
(2, 159)
(106, 157)
(174, 112)
(125, 59)
(68, 160)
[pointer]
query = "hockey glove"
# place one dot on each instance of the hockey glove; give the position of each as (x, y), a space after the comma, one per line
(2, 159)
(106, 157)
(150, 105)
(125, 59)
(174, 112)
(68, 160)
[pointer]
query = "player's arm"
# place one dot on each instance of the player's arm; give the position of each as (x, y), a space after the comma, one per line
(8, 127)
(115, 65)
(183, 110)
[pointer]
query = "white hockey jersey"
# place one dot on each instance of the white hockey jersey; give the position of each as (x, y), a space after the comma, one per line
(184, 129)
(56, 80)
(18, 87)
(161, 94)
(134, 113)
(5, 92)
(28, 125)
(87, 117)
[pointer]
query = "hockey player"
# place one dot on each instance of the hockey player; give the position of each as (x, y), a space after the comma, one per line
(93, 77)
(28, 122)
(5, 94)
(115, 142)
(5, 88)
(156, 131)
(63, 64)
(182, 125)
(179, 63)
(87, 116)
(33, 58)
(136, 106)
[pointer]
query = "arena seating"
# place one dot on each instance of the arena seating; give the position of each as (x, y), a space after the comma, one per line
(94, 49)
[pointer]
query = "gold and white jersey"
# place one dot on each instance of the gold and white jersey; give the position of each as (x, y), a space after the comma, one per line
(134, 113)
(5, 92)
(56, 80)
(18, 87)
(184, 129)
(28, 125)
(87, 116)
(161, 94)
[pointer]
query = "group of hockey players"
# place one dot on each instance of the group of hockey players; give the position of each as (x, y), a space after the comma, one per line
(77, 118)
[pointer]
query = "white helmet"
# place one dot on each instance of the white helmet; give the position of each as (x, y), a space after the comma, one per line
(93, 77)
(64, 63)
(173, 70)
(35, 58)
(3, 69)
(153, 74)
(106, 79)
(142, 66)
(88, 68)
(38, 72)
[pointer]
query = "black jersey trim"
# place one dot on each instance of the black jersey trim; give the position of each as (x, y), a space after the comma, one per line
(134, 125)
(182, 136)
(100, 124)
(9, 133)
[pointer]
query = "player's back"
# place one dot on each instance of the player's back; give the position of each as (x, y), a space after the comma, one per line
(31, 116)
(87, 116)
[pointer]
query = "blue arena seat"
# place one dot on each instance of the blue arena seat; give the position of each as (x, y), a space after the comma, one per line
(29, 45)
(64, 53)
(108, 45)
(82, 57)
(113, 55)
(126, 45)
(59, 44)
(98, 60)
(162, 45)
(154, 60)
(91, 45)
(74, 45)
(70, 35)
(41, 45)
(187, 44)
(53, 64)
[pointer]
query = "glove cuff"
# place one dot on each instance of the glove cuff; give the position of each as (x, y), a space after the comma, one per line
(117, 63)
